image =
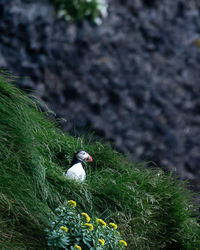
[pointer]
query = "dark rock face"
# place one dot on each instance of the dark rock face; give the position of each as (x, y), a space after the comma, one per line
(135, 79)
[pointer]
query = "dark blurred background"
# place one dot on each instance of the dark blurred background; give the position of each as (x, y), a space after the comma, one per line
(134, 80)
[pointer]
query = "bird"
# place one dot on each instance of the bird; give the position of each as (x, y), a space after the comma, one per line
(76, 171)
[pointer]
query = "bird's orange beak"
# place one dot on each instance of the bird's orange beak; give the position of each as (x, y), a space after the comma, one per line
(89, 159)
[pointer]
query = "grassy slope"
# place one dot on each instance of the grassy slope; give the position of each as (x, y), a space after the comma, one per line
(153, 210)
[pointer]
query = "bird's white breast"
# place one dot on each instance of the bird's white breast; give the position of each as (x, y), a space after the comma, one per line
(76, 172)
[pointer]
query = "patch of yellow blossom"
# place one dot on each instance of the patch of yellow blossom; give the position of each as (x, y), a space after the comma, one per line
(100, 221)
(101, 241)
(123, 242)
(64, 229)
(87, 217)
(71, 203)
(89, 226)
(77, 247)
(113, 225)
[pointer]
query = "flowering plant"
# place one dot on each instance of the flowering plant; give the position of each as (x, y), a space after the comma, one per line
(73, 230)
(92, 10)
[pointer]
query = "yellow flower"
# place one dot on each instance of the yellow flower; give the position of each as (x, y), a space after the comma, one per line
(71, 203)
(101, 241)
(64, 229)
(123, 243)
(100, 221)
(77, 247)
(113, 225)
(90, 226)
(87, 217)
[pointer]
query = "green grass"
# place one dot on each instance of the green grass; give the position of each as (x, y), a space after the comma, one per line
(152, 209)
(78, 10)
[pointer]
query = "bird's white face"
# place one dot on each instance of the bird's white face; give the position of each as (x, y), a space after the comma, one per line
(83, 156)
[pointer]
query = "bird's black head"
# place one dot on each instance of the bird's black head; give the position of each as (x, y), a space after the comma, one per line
(81, 156)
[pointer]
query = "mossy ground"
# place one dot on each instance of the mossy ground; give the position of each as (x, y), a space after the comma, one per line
(152, 209)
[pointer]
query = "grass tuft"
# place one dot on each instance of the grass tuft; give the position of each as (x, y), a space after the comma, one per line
(153, 209)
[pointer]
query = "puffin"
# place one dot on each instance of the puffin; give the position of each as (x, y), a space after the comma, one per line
(76, 171)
